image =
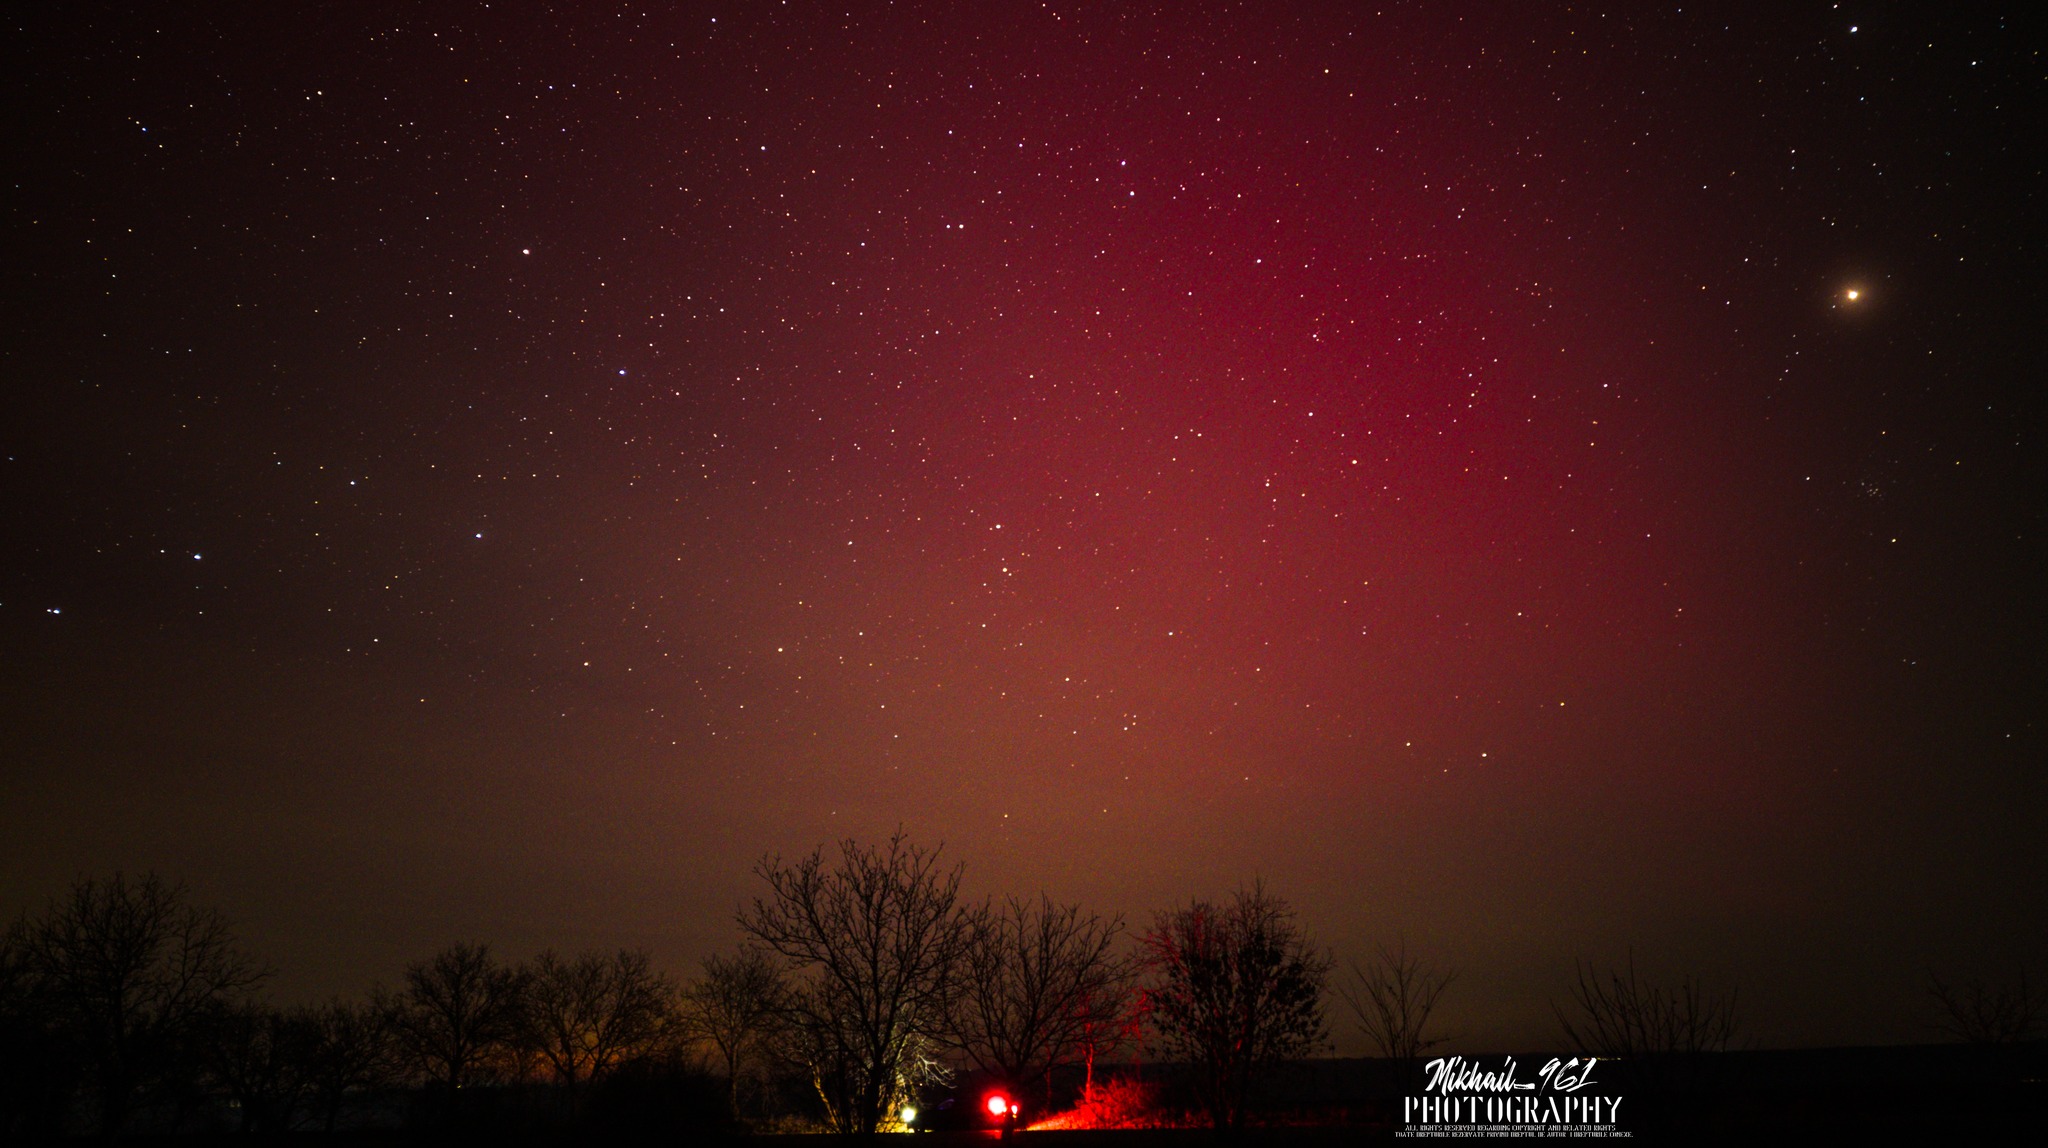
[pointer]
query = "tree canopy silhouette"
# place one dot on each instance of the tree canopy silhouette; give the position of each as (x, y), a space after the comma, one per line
(872, 941)
(1393, 998)
(457, 1015)
(586, 1016)
(1235, 988)
(737, 1007)
(134, 973)
(1039, 986)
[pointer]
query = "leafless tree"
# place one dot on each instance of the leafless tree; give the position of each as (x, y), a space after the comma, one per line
(457, 1015)
(17, 987)
(1040, 985)
(133, 972)
(873, 941)
(1235, 989)
(264, 1058)
(354, 1053)
(737, 1008)
(1393, 997)
(1618, 1015)
(585, 1017)
(1976, 1013)
(37, 1068)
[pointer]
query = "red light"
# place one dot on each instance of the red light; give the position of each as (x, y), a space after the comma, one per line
(998, 1104)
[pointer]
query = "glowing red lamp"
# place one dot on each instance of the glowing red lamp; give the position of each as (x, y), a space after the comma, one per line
(998, 1105)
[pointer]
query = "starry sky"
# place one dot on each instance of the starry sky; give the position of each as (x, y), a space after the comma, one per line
(496, 470)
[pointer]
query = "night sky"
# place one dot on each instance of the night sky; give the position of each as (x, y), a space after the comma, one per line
(1538, 481)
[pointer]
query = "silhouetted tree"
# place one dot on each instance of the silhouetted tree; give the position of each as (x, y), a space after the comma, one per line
(1618, 1015)
(457, 1015)
(585, 1017)
(37, 1065)
(1976, 1013)
(1393, 998)
(133, 974)
(1235, 989)
(354, 1053)
(737, 1007)
(1040, 985)
(873, 941)
(264, 1058)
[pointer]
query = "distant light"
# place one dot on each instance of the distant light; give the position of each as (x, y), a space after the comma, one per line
(526, 251)
(908, 1114)
(998, 1104)
(1854, 294)
(622, 372)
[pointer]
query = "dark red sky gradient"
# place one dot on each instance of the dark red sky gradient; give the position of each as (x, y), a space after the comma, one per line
(495, 474)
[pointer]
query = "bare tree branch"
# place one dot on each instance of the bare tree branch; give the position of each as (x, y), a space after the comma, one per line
(1040, 986)
(264, 1058)
(873, 942)
(1393, 1000)
(135, 971)
(1621, 1016)
(1235, 989)
(458, 1014)
(587, 1016)
(355, 1054)
(737, 1007)
(1976, 1013)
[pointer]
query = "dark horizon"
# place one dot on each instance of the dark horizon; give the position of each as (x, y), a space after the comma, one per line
(488, 474)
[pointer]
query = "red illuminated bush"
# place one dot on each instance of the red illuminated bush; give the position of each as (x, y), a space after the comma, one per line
(1118, 1103)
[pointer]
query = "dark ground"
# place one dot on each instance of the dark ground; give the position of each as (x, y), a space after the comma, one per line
(1929, 1094)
